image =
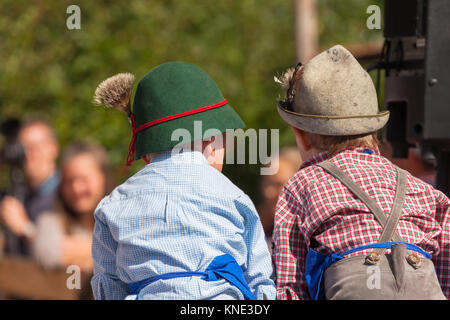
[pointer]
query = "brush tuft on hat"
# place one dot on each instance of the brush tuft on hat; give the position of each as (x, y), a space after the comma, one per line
(285, 79)
(115, 92)
(288, 81)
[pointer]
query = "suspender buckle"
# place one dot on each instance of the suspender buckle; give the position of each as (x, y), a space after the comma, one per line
(373, 258)
(414, 260)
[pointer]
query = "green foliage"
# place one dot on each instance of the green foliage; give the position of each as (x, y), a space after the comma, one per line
(49, 70)
(344, 21)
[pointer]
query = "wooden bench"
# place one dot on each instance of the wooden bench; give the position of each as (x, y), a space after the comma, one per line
(22, 278)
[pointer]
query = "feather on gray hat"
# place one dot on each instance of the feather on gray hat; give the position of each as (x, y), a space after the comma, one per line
(331, 95)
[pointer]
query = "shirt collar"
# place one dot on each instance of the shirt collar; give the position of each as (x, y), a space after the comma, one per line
(322, 156)
(178, 155)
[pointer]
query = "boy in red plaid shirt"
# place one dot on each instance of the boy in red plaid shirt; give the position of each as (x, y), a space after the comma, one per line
(331, 106)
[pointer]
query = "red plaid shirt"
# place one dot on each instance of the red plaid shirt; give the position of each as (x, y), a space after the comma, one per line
(315, 210)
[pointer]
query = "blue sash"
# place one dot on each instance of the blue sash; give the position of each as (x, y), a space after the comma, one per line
(222, 267)
(317, 263)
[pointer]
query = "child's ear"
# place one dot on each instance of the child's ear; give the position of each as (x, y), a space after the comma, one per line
(214, 151)
(302, 139)
(207, 147)
(214, 143)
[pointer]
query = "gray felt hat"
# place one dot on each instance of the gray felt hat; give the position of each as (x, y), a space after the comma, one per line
(334, 96)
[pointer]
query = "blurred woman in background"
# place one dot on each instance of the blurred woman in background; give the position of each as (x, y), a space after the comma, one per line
(64, 235)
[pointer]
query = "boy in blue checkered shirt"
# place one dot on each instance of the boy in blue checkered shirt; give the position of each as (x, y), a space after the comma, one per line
(177, 229)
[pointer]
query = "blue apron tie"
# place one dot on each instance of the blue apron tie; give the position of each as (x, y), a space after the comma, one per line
(222, 267)
(317, 263)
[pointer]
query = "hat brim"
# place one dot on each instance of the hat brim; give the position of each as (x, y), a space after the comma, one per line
(335, 125)
(165, 136)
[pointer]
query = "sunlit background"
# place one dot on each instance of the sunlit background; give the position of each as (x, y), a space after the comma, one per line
(49, 71)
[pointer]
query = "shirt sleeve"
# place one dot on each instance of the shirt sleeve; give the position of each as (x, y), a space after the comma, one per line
(442, 260)
(259, 273)
(290, 249)
(105, 283)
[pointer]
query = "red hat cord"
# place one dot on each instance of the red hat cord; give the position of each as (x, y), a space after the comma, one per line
(130, 157)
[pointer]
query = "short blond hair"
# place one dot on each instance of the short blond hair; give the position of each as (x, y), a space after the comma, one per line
(335, 144)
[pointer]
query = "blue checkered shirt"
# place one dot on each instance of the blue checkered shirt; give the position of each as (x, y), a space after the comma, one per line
(177, 214)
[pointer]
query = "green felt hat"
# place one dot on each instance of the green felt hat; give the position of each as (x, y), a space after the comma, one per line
(175, 88)
(173, 95)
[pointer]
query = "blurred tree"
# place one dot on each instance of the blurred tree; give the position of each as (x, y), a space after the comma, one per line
(49, 70)
(345, 21)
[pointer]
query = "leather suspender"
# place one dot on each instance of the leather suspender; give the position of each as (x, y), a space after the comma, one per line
(389, 223)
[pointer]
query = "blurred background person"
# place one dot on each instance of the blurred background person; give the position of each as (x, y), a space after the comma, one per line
(424, 169)
(289, 162)
(41, 149)
(64, 233)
